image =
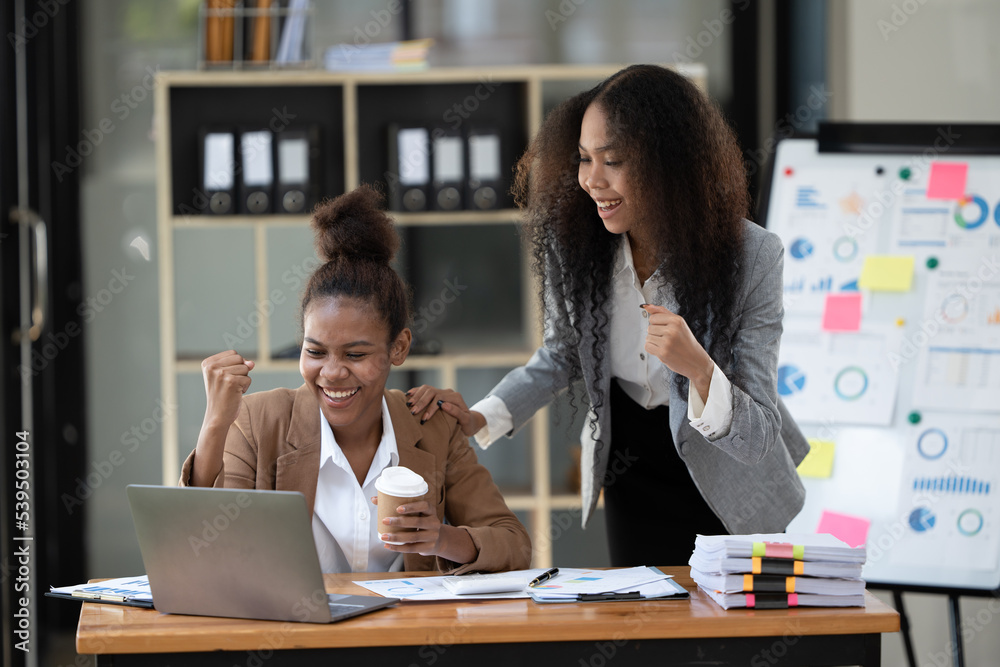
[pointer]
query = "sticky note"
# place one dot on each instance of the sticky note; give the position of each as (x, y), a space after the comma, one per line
(842, 312)
(947, 180)
(851, 529)
(819, 461)
(887, 273)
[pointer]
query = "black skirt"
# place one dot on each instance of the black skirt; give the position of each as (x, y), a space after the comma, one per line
(653, 508)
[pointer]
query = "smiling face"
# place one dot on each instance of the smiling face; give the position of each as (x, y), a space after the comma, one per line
(602, 174)
(346, 358)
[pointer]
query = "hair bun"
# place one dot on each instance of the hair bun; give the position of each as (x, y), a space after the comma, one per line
(354, 225)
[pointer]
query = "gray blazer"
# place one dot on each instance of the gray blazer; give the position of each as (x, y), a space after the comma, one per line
(746, 476)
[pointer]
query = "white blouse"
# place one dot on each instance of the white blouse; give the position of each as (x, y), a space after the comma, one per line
(641, 375)
(344, 517)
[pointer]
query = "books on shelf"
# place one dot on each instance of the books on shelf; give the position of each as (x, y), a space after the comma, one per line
(255, 33)
(292, 43)
(219, 23)
(778, 570)
(258, 30)
(387, 56)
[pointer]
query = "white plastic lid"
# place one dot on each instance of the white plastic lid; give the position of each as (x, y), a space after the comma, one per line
(401, 482)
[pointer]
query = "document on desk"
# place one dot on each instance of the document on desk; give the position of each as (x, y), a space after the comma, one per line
(634, 583)
(433, 588)
(129, 591)
(568, 585)
(657, 590)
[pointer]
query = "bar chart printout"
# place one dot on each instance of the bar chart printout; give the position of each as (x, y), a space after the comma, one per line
(948, 494)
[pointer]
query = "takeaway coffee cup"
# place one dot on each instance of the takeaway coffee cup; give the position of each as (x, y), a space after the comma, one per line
(396, 486)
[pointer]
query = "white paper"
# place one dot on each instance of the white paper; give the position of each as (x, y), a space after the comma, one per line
(432, 588)
(817, 546)
(132, 588)
(948, 499)
(945, 226)
(826, 218)
(571, 582)
(843, 378)
(958, 348)
(659, 588)
(919, 222)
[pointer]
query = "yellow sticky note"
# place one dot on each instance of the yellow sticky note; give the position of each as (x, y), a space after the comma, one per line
(887, 273)
(819, 461)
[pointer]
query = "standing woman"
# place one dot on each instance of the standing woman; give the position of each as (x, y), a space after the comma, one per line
(665, 302)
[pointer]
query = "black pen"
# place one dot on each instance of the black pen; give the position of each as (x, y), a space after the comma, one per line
(544, 576)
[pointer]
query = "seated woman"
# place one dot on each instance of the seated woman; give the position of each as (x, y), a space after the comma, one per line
(331, 438)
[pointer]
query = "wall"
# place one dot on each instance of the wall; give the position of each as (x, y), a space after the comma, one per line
(915, 60)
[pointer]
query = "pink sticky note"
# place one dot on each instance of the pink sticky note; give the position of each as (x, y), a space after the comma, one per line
(851, 529)
(947, 180)
(842, 312)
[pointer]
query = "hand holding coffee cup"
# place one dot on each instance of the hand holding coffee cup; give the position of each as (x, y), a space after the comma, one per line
(400, 488)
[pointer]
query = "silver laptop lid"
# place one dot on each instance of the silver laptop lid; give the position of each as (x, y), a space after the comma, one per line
(229, 552)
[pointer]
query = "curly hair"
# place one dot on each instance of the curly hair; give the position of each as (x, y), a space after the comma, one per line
(687, 179)
(356, 240)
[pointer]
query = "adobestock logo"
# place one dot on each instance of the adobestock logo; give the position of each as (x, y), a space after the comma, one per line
(372, 29)
(48, 348)
(102, 470)
(428, 314)
(228, 513)
(30, 25)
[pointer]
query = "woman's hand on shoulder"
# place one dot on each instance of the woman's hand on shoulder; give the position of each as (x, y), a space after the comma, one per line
(227, 378)
(425, 401)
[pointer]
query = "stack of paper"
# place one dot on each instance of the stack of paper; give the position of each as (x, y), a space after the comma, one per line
(391, 56)
(779, 570)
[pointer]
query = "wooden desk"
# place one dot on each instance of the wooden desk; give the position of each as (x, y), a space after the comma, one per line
(498, 632)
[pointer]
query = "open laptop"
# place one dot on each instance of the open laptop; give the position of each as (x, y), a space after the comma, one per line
(237, 553)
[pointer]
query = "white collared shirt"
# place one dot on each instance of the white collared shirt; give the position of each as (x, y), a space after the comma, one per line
(641, 375)
(344, 517)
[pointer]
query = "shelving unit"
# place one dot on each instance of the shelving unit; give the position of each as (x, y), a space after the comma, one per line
(354, 146)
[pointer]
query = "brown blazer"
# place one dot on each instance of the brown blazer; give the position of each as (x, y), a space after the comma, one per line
(275, 444)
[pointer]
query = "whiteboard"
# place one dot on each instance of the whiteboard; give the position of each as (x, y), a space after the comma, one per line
(911, 399)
